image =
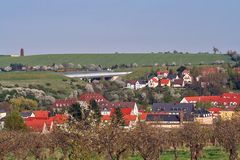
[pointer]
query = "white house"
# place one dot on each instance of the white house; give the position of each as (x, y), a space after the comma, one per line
(3, 113)
(153, 82)
(25, 115)
(187, 78)
(136, 84)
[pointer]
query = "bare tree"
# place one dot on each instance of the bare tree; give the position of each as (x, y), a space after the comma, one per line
(215, 50)
(149, 141)
(112, 140)
(174, 141)
(195, 137)
(227, 134)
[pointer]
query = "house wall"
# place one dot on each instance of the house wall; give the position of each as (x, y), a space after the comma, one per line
(226, 115)
(204, 120)
(2, 115)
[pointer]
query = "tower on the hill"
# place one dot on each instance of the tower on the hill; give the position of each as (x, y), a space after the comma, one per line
(22, 52)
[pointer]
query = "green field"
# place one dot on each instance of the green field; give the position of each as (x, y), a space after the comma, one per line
(50, 80)
(112, 59)
(210, 153)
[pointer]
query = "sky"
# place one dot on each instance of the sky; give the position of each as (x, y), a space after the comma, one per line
(108, 26)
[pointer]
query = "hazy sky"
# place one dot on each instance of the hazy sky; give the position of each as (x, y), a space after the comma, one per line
(80, 26)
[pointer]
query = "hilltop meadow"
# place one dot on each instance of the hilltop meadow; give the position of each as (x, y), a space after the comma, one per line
(113, 59)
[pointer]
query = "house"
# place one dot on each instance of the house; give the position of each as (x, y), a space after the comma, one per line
(153, 82)
(1, 124)
(226, 114)
(226, 99)
(166, 120)
(178, 83)
(162, 74)
(42, 125)
(165, 82)
(195, 99)
(186, 72)
(59, 104)
(134, 84)
(172, 77)
(92, 95)
(203, 116)
(187, 78)
(215, 111)
(3, 113)
(41, 114)
(130, 119)
(173, 108)
(25, 115)
(132, 105)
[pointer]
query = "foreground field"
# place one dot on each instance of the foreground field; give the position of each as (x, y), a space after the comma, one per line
(112, 59)
(210, 153)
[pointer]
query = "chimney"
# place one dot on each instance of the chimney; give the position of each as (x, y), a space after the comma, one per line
(181, 116)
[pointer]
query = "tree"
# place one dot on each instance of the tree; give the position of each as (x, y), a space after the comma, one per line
(174, 141)
(14, 121)
(22, 103)
(112, 141)
(195, 137)
(148, 141)
(96, 110)
(227, 134)
(77, 112)
(215, 50)
(203, 105)
(117, 117)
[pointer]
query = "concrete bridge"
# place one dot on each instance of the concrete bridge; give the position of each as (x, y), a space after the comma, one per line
(95, 75)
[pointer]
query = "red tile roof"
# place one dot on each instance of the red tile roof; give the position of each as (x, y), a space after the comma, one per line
(64, 102)
(164, 81)
(89, 96)
(41, 114)
(125, 111)
(155, 79)
(37, 124)
(215, 110)
(143, 116)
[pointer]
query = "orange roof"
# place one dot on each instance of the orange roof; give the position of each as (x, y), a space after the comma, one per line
(106, 118)
(41, 114)
(143, 116)
(60, 118)
(164, 81)
(203, 98)
(155, 79)
(37, 124)
(125, 111)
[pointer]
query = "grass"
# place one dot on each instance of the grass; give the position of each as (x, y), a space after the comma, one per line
(112, 59)
(50, 80)
(209, 153)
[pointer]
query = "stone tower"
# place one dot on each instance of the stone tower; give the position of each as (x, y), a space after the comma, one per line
(22, 52)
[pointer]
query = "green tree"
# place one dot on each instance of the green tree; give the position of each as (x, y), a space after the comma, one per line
(95, 108)
(117, 117)
(14, 121)
(76, 112)
(203, 105)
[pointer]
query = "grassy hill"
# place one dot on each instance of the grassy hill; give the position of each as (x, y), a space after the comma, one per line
(51, 82)
(111, 59)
